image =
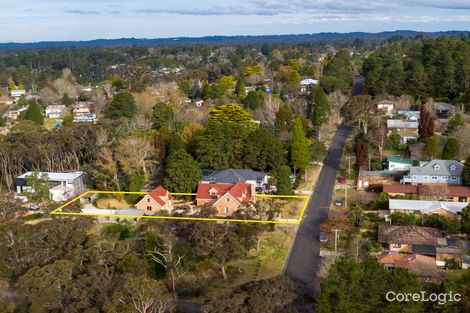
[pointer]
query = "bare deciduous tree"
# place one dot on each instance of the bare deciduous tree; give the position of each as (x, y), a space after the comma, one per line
(169, 259)
(135, 153)
(99, 99)
(378, 136)
(271, 105)
(143, 295)
(434, 192)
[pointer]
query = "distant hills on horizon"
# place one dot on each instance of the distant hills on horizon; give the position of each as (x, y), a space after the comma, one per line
(330, 37)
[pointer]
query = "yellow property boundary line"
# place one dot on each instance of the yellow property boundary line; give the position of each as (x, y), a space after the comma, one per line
(299, 219)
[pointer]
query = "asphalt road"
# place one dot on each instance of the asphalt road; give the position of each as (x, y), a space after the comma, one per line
(304, 259)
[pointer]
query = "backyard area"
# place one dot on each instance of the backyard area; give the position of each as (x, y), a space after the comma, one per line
(112, 202)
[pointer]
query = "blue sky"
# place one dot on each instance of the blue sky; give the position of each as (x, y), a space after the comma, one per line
(40, 20)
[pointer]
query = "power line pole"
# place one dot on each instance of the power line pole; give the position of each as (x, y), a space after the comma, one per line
(349, 165)
(357, 246)
(336, 239)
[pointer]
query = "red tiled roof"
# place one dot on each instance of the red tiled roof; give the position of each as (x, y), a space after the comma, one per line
(447, 190)
(389, 258)
(397, 188)
(418, 264)
(458, 191)
(159, 192)
(415, 235)
(235, 190)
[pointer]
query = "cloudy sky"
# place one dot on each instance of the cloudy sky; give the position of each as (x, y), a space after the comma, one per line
(39, 20)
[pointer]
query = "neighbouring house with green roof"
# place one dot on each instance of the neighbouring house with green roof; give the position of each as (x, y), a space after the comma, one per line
(398, 163)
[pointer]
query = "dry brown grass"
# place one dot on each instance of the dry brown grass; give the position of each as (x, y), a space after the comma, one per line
(309, 184)
(113, 202)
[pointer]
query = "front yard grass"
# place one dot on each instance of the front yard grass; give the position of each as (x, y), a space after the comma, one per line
(312, 174)
(289, 207)
(265, 263)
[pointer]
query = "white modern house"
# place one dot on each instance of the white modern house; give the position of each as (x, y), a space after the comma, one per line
(398, 163)
(305, 83)
(56, 111)
(17, 93)
(63, 185)
(386, 106)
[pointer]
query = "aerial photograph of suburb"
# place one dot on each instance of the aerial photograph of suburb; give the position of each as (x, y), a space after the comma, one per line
(235, 156)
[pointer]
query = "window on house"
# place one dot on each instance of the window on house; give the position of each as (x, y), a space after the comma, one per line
(225, 210)
(433, 177)
(149, 208)
(445, 177)
(453, 178)
(148, 199)
(437, 167)
(453, 167)
(397, 245)
(426, 177)
(414, 177)
(228, 199)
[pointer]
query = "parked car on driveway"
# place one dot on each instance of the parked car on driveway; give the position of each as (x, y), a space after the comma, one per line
(322, 238)
(338, 202)
(342, 180)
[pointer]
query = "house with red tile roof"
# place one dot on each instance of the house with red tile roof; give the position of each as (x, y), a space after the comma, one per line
(157, 200)
(422, 266)
(409, 239)
(429, 192)
(225, 198)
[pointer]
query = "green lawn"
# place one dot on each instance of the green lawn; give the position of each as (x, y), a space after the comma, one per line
(265, 263)
(50, 123)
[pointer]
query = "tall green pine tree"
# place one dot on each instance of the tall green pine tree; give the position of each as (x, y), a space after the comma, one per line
(34, 113)
(300, 155)
(319, 105)
(240, 88)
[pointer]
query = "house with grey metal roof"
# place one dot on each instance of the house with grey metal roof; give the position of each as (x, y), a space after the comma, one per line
(435, 172)
(233, 176)
(402, 125)
(408, 130)
(443, 109)
(423, 207)
(410, 115)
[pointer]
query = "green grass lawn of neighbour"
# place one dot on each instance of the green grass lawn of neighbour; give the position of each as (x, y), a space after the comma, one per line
(265, 263)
